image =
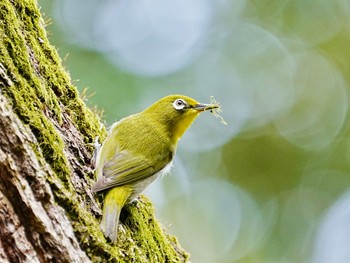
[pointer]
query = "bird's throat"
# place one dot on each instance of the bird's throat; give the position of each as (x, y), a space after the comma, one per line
(181, 126)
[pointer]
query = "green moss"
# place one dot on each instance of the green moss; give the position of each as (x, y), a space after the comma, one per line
(139, 221)
(44, 98)
(41, 84)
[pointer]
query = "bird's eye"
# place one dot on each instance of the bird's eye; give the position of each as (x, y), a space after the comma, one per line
(179, 104)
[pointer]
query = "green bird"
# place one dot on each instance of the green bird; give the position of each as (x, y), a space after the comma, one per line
(137, 150)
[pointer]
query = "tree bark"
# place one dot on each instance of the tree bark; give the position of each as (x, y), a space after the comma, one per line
(47, 211)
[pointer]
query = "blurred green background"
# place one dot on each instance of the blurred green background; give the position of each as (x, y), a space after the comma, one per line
(273, 185)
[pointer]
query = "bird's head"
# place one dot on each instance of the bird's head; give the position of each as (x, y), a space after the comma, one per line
(176, 113)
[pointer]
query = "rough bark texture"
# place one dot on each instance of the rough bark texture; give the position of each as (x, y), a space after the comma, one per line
(47, 211)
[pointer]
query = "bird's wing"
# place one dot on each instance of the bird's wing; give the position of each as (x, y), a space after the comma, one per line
(123, 168)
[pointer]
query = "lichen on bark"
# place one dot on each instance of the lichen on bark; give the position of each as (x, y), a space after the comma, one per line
(45, 160)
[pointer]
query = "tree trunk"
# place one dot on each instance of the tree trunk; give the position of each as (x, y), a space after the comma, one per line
(47, 211)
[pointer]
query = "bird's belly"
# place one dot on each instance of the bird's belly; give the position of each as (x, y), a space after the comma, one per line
(141, 186)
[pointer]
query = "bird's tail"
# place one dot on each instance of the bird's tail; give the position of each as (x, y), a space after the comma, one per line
(113, 204)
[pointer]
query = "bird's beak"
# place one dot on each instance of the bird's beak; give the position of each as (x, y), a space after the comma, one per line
(204, 107)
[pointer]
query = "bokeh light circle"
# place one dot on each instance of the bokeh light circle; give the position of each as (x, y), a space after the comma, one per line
(197, 216)
(150, 37)
(250, 72)
(78, 21)
(217, 220)
(333, 238)
(314, 21)
(144, 37)
(321, 106)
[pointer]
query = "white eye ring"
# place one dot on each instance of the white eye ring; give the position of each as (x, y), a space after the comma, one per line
(179, 104)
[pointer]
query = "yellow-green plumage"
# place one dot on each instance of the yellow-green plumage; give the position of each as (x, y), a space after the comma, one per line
(137, 149)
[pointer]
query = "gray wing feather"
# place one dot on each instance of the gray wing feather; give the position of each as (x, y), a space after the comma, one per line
(122, 169)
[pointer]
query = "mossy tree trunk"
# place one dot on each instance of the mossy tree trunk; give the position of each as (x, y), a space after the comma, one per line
(47, 211)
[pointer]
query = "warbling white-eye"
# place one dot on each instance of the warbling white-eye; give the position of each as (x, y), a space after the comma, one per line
(137, 150)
